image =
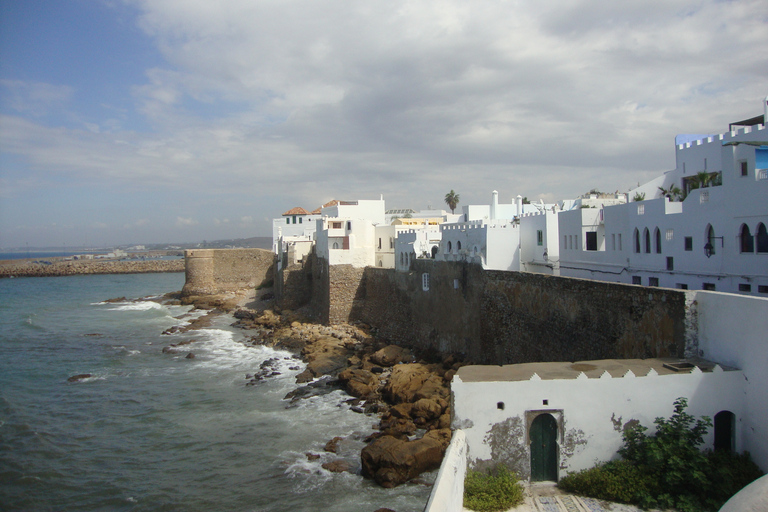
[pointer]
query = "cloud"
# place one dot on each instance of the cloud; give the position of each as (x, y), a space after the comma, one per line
(186, 221)
(262, 106)
(34, 98)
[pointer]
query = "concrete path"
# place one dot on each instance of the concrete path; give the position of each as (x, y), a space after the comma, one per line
(546, 497)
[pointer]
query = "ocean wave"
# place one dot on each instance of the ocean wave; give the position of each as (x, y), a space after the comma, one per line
(134, 306)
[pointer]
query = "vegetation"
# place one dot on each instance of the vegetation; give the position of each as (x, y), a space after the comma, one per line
(493, 490)
(526, 200)
(452, 199)
(674, 193)
(667, 469)
(639, 196)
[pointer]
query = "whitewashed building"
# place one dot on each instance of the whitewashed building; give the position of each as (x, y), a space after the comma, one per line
(346, 232)
(716, 238)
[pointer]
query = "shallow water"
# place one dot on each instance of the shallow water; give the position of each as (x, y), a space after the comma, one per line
(155, 431)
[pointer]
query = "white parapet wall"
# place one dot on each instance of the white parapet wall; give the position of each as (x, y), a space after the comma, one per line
(448, 491)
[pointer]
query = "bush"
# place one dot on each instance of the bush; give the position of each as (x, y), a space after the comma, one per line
(494, 490)
(667, 470)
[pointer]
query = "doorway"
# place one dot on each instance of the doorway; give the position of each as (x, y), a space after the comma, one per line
(724, 428)
(544, 448)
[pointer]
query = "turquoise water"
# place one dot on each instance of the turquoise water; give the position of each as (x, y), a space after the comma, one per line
(154, 431)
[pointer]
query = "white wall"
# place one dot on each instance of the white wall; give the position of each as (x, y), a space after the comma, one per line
(448, 492)
(733, 330)
(591, 411)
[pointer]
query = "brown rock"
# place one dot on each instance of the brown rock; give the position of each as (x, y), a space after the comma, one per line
(326, 356)
(427, 409)
(337, 466)
(333, 444)
(312, 456)
(359, 383)
(401, 410)
(391, 355)
(390, 461)
(410, 382)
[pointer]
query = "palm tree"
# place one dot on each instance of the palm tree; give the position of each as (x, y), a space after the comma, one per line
(452, 199)
(704, 178)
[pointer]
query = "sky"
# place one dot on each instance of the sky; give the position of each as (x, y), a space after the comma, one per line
(158, 121)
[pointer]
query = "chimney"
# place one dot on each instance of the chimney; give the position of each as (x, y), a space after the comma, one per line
(494, 204)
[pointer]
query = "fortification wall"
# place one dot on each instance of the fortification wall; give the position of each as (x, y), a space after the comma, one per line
(494, 317)
(214, 271)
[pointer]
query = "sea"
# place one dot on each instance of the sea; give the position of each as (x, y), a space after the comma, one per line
(155, 431)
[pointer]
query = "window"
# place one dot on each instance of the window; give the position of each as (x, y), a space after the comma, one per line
(349, 225)
(619, 241)
(689, 243)
(708, 286)
(613, 242)
(670, 235)
(647, 240)
(653, 281)
(335, 245)
(425, 282)
(641, 209)
(637, 280)
(657, 240)
(287, 220)
(294, 219)
(761, 288)
(539, 237)
(762, 238)
(637, 241)
(681, 286)
(591, 240)
(300, 219)
(391, 243)
(670, 263)
(744, 168)
(450, 247)
(458, 245)
(745, 287)
(379, 243)
(747, 242)
(455, 284)
(335, 225)
(565, 241)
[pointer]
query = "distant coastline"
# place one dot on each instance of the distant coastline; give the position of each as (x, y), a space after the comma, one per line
(52, 267)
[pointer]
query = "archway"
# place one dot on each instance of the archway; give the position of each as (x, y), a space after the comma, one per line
(544, 448)
(725, 422)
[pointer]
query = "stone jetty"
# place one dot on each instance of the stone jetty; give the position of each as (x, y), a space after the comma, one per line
(60, 267)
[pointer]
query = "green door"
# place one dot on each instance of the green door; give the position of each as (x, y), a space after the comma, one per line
(544, 448)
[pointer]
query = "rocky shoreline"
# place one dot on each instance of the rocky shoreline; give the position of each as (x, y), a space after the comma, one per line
(408, 393)
(55, 267)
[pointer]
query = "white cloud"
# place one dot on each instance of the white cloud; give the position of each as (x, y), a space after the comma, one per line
(185, 221)
(284, 104)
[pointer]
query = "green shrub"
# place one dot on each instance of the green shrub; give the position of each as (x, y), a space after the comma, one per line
(667, 469)
(494, 490)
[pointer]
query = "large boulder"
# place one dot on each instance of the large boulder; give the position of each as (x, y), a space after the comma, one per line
(359, 383)
(391, 355)
(326, 356)
(411, 382)
(391, 462)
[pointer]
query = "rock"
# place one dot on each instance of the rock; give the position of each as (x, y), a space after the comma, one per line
(333, 444)
(359, 383)
(320, 387)
(402, 410)
(410, 382)
(337, 466)
(118, 299)
(312, 456)
(391, 355)
(391, 462)
(79, 377)
(190, 356)
(326, 356)
(427, 409)
(383, 510)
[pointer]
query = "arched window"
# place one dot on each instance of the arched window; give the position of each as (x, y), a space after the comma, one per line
(709, 247)
(657, 240)
(747, 242)
(762, 238)
(402, 258)
(458, 245)
(647, 240)
(434, 251)
(449, 246)
(637, 241)
(335, 245)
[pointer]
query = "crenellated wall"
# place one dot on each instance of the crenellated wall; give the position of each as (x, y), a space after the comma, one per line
(214, 271)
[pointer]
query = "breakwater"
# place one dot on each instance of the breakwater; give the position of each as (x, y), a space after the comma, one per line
(53, 268)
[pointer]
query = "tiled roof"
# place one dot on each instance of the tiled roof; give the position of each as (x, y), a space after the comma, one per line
(333, 202)
(296, 211)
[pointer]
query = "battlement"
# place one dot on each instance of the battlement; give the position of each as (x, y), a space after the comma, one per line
(723, 137)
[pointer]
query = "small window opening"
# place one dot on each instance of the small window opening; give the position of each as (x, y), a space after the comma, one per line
(689, 243)
(670, 263)
(500, 406)
(745, 287)
(744, 168)
(545, 402)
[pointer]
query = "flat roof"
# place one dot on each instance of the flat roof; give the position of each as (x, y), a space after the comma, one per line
(592, 369)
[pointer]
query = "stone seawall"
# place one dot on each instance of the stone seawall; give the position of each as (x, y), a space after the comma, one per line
(68, 268)
(493, 317)
(215, 271)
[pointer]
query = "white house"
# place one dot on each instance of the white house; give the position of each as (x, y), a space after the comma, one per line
(346, 232)
(716, 238)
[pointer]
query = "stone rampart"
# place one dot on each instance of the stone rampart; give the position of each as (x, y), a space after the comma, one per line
(495, 317)
(214, 271)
